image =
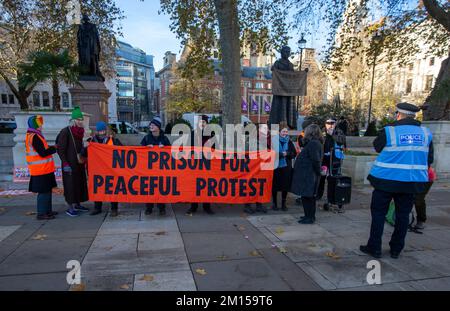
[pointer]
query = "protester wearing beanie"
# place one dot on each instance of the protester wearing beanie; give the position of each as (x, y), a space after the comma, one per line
(70, 147)
(101, 137)
(41, 166)
(155, 138)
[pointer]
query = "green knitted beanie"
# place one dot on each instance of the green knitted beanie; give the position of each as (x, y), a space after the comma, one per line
(76, 113)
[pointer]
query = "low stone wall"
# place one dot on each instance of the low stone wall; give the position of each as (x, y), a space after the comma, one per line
(360, 142)
(358, 168)
(6, 157)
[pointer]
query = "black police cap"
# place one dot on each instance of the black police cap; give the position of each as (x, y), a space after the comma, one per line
(407, 108)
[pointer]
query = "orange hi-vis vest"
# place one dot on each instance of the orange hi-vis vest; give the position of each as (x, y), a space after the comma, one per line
(37, 165)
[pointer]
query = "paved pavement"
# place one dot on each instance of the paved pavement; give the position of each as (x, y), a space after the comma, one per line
(226, 251)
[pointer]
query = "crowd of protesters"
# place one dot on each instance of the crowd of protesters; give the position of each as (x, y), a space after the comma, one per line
(302, 171)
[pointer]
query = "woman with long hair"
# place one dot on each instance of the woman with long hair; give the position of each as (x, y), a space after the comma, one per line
(307, 172)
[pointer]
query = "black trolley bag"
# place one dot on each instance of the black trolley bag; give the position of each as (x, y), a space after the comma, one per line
(339, 190)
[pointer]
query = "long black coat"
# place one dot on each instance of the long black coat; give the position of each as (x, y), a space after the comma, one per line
(75, 184)
(306, 174)
(282, 176)
(42, 183)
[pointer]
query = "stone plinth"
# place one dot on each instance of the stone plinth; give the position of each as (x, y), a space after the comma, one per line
(53, 123)
(441, 144)
(92, 99)
(358, 168)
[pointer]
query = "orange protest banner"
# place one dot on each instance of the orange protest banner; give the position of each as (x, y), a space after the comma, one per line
(172, 175)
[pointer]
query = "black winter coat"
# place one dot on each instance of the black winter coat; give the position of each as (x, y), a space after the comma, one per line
(42, 183)
(149, 139)
(306, 176)
(282, 177)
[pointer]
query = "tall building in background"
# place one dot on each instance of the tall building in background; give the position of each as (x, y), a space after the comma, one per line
(135, 83)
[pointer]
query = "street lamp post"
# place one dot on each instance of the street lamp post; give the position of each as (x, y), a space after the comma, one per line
(301, 45)
(376, 39)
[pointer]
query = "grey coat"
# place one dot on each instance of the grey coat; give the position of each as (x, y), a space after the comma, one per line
(306, 174)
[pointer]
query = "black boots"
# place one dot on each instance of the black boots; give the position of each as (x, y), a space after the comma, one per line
(283, 205)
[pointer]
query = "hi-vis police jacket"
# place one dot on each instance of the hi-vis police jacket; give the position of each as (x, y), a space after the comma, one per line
(404, 158)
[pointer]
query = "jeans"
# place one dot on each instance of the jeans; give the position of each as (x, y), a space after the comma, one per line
(379, 208)
(44, 203)
(421, 205)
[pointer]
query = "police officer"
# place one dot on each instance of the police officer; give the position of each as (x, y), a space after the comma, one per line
(399, 172)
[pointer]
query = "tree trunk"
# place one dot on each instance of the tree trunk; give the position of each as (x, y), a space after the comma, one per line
(56, 98)
(227, 15)
(21, 94)
(437, 104)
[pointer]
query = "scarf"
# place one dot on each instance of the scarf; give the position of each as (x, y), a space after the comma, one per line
(77, 132)
(283, 147)
(35, 131)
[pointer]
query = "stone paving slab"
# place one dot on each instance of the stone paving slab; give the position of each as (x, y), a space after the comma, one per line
(44, 256)
(34, 282)
(299, 232)
(208, 223)
(118, 282)
(273, 220)
(150, 225)
(115, 243)
(104, 264)
(352, 272)
(316, 276)
(159, 240)
(238, 275)
(6, 231)
(165, 281)
(71, 228)
(211, 246)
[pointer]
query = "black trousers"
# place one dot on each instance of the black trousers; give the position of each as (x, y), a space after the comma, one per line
(206, 206)
(98, 205)
(275, 195)
(309, 206)
(421, 205)
(321, 188)
(379, 208)
(161, 206)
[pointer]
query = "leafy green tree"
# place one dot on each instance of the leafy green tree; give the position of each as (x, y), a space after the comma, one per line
(404, 26)
(42, 25)
(199, 23)
(45, 66)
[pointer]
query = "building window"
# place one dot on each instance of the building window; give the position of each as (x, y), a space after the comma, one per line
(11, 99)
(269, 86)
(429, 82)
(45, 99)
(259, 85)
(36, 99)
(65, 100)
(4, 99)
(432, 61)
(408, 86)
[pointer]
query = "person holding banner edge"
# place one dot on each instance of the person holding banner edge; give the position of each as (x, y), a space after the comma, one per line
(155, 138)
(199, 131)
(101, 138)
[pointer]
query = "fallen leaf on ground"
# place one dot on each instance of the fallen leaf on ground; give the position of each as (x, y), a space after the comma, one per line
(78, 288)
(282, 250)
(161, 233)
(147, 278)
(40, 237)
(255, 254)
(332, 255)
(30, 213)
(241, 228)
(125, 286)
(223, 257)
(279, 230)
(244, 215)
(200, 271)
(58, 191)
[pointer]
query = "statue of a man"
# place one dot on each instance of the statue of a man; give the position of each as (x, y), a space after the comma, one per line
(283, 107)
(89, 51)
